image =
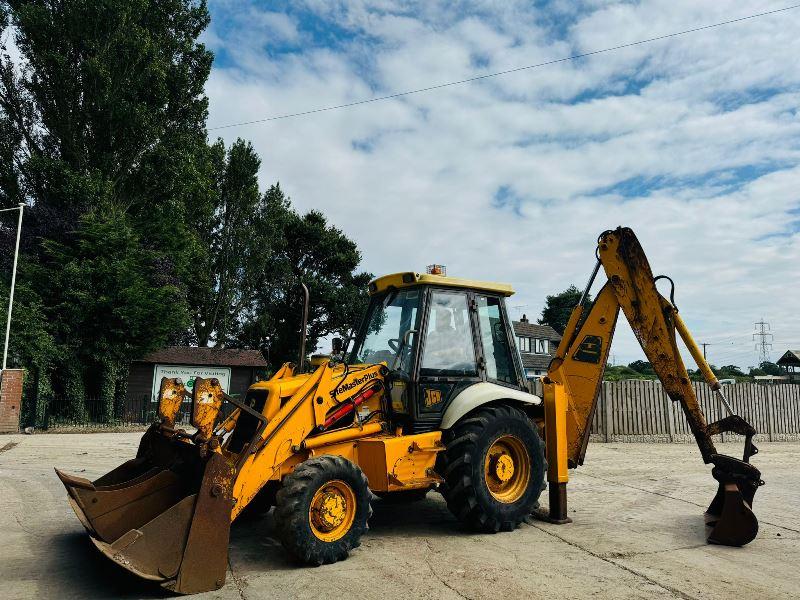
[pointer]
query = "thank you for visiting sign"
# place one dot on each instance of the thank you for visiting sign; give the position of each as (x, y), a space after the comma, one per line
(188, 375)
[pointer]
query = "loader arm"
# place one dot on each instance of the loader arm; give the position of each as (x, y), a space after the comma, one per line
(573, 381)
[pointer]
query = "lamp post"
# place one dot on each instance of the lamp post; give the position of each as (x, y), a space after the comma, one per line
(13, 284)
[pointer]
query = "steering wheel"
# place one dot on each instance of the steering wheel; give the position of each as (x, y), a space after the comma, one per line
(394, 344)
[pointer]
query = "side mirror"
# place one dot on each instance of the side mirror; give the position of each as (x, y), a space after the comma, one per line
(337, 345)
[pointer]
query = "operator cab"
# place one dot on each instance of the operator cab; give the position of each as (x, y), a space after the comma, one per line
(438, 335)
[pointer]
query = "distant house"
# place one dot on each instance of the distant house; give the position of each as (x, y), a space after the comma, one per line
(790, 363)
(537, 344)
(235, 369)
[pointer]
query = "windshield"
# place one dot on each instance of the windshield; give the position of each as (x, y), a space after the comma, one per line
(389, 318)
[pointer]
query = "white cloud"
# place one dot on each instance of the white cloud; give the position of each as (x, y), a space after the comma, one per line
(412, 180)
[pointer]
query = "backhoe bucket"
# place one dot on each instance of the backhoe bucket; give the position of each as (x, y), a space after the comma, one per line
(729, 518)
(165, 515)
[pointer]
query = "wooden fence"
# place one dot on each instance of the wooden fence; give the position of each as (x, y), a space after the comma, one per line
(631, 411)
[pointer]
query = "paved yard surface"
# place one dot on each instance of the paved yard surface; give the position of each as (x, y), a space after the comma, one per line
(638, 533)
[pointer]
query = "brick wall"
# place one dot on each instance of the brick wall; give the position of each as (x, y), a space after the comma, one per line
(10, 399)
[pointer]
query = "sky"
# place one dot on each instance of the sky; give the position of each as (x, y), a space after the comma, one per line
(693, 141)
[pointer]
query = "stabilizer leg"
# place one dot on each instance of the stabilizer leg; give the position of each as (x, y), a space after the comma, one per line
(557, 509)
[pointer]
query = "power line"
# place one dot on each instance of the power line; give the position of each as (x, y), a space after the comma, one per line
(506, 72)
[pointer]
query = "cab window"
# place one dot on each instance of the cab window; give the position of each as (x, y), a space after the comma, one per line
(496, 349)
(390, 317)
(449, 348)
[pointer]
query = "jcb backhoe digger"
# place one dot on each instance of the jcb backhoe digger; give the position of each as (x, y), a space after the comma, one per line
(432, 395)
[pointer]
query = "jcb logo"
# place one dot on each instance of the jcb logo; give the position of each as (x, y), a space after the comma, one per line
(590, 350)
(432, 397)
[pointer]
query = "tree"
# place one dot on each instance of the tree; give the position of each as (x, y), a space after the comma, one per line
(642, 366)
(108, 288)
(621, 372)
(729, 372)
(101, 123)
(138, 231)
(305, 249)
(234, 249)
(766, 368)
(558, 308)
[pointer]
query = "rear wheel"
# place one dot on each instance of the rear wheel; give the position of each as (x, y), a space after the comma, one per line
(322, 510)
(494, 468)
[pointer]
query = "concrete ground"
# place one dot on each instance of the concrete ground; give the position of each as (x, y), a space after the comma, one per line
(637, 533)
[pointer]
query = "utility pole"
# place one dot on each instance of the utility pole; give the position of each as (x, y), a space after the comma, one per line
(704, 350)
(13, 284)
(763, 339)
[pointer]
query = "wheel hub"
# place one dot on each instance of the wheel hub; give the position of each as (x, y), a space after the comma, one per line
(329, 510)
(504, 467)
(507, 469)
(332, 510)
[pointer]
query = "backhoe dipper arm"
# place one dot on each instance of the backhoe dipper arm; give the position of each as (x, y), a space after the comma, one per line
(572, 384)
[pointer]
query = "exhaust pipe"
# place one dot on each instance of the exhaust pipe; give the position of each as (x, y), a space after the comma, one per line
(303, 330)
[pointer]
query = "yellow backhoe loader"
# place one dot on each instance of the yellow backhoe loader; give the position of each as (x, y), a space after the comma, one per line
(431, 396)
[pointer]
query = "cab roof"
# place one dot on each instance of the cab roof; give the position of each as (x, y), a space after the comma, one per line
(408, 279)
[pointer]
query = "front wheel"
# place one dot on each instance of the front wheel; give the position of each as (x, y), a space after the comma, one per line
(322, 509)
(494, 468)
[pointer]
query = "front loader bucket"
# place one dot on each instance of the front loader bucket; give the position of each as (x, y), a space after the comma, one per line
(140, 488)
(185, 547)
(137, 490)
(165, 515)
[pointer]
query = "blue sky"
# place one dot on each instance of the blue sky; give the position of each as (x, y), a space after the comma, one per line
(692, 141)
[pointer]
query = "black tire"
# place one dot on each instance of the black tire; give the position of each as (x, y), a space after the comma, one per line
(293, 506)
(403, 496)
(466, 489)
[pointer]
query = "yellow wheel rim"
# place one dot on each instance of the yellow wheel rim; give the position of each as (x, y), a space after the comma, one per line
(507, 469)
(332, 511)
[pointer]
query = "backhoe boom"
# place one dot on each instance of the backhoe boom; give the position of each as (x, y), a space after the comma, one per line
(572, 384)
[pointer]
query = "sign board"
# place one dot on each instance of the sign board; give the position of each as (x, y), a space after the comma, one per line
(188, 374)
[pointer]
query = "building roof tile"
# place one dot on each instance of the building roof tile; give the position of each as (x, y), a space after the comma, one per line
(536, 361)
(217, 357)
(534, 330)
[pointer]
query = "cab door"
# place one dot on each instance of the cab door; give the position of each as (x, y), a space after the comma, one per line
(500, 360)
(449, 355)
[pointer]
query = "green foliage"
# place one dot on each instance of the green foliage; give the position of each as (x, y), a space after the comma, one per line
(232, 248)
(766, 368)
(107, 299)
(621, 372)
(138, 232)
(558, 308)
(101, 123)
(305, 249)
(729, 372)
(642, 367)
